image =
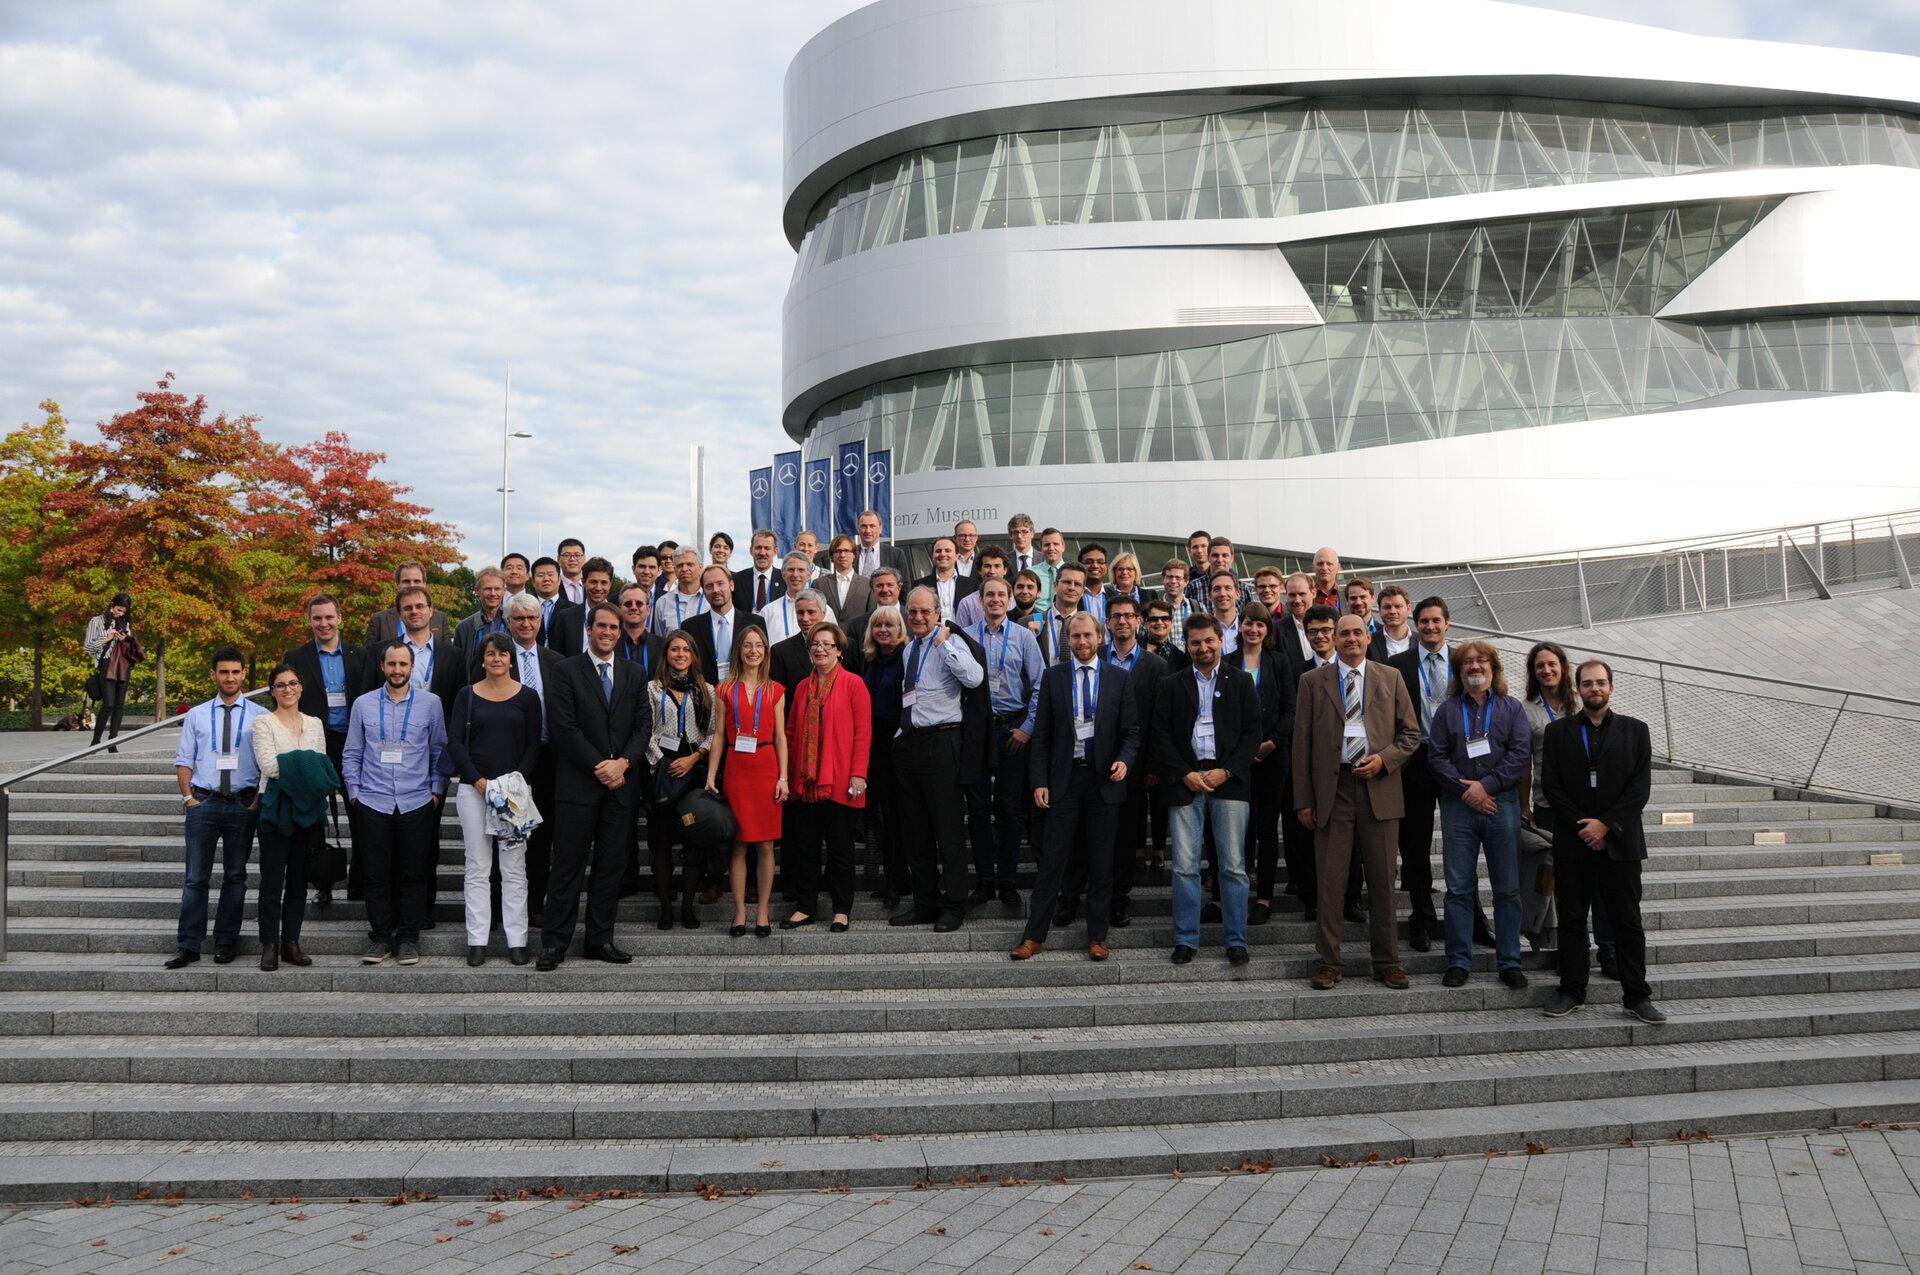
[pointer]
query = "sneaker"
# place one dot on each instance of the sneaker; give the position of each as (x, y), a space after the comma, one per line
(1646, 1011)
(1560, 1006)
(377, 953)
(409, 954)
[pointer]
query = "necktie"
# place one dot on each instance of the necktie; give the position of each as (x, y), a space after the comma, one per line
(526, 667)
(760, 594)
(226, 746)
(1086, 701)
(1025, 562)
(1352, 749)
(606, 682)
(906, 712)
(1436, 675)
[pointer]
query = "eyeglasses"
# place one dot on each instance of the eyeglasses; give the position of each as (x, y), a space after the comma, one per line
(286, 686)
(635, 605)
(823, 646)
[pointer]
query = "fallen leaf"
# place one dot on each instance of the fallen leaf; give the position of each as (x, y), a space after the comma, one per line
(247, 1194)
(936, 1230)
(361, 1236)
(575, 1206)
(1013, 1181)
(175, 1252)
(465, 1221)
(441, 1239)
(296, 1217)
(98, 1243)
(1140, 1266)
(561, 1252)
(1537, 1148)
(770, 1164)
(496, 1216)
(1840, 1151)
(1866, 1124)
(1061, 1178)
(1046, 1232)
(624, 1249)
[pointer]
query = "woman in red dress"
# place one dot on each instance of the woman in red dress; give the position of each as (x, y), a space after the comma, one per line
(751, 730)
(832, 731)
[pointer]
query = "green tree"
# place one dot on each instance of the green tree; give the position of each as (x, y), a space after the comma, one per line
(31, 468)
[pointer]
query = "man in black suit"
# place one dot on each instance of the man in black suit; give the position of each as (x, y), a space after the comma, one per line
(788, 659)
(760, 584)
(638, 642)
(1395, 634)
(332, 675)
(947, 583)
(601, 721)
(384, 626)
(886, 589)
(1426, 667)
(714, 629)
(1086, 738)
(1597, 771)
(869, 555)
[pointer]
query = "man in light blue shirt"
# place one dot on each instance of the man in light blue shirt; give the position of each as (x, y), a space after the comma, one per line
(1014, 667)
(394, 740)
(219, 786)
(927, 761)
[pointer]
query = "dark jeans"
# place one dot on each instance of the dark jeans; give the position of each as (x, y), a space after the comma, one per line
(283, 882)
(225, 823)
(997, 811)
(1579, 879)
(932, 820)
(113, 706)
(1079, 830)
(1422, 793)
(398, 849)
(808, 829)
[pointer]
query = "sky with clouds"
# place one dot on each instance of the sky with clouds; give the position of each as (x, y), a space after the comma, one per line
(356, 215)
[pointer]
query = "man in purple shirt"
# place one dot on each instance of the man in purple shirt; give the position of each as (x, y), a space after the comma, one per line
(1478, 747)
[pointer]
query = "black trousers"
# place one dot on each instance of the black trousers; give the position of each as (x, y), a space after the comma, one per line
(283, 881)
(1581, 879)
(397, 850)
(590, 843)
(997, 810)
(886, 848)
(540, 841)
(1080, 828)
(1422, 794)
(1129, 828)
(807, 830)
(1263, 822)
(113, 706)
(933, 817)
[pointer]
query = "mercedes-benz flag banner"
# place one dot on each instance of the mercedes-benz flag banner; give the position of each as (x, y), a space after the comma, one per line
(760, 496)
(820, 498)
(851, 496)
(786, 498)
(880, 489)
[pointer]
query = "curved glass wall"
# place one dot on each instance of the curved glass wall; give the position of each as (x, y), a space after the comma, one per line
(1353, 385)
(1319, 154)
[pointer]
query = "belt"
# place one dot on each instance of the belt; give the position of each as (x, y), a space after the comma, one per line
(1012, 715)
(911, 731)
(244, 795)
(1084, 763)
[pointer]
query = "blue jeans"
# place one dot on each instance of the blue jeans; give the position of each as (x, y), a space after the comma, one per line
(1464, 834)
(1229, 854)
(229, 825)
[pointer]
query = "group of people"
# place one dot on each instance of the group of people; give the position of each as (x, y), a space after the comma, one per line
(1010, 697)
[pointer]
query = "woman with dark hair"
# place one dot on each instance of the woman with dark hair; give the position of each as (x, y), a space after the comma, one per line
(682, 736)
(298, 777)
(114, 650)
(829, 740)
(1549, 697)
(751, 733)
(719, 549)
(493, 730)
(884, 673)
(1258, 656)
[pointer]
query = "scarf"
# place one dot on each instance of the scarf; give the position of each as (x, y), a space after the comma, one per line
(812, 737)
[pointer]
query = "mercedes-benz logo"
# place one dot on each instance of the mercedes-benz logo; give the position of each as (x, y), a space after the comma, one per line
(877, 472)
(852, 468)
(759, 488)
(788, 475)
(816, 481)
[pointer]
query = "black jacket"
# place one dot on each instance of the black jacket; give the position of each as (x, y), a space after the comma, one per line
(1277, 687)
(789, 664)
(1622, 756)
(1236, 733)
(305, 660)
(700, 629)
(585, 730)
(1116, 730)
(1148, 672)
(743, 587)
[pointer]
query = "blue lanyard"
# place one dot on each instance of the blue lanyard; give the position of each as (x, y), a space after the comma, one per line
(666, 706)
(1092, 698)
(405, 717)
(1547, 707)
(433, 654)
(924, 645)
(1466, 722)
(737, 714)
(1426, 686)
(1586, 742)
(1006, 640)
(646, 659)
(213, 723)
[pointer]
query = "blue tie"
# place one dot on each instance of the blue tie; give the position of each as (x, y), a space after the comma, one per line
(606, 682)
(1086, 690)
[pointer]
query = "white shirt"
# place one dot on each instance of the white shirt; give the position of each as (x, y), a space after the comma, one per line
(944, 589)
(1300, 636)
(780, 619)
(753, 588)
(526, 661)
(600, 664)
(1396, 645)
(1204, 745)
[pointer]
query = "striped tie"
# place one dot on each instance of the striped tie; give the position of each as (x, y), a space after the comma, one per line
(1352, 749)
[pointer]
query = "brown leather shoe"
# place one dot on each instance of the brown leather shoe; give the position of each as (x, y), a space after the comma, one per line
(1393, 976)
(1026, 950)
(1097, 951)
(1325, 979)
(269, 956)
(290, 952)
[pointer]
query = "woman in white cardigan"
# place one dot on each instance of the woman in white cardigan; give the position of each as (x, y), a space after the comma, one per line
(283, 857)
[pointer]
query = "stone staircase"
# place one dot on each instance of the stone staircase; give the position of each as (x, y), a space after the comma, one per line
(890, 1057)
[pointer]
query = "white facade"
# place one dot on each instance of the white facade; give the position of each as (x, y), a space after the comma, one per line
(1310, 271)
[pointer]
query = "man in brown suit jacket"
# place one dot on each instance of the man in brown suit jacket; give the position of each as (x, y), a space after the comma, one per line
(1354, 727)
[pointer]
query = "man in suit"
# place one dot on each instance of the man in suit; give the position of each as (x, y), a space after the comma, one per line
(332, 675)
(870, 555)
(638, 641)
(946, 581)
(516, 571)
(1354, 735)
(1050, 626)
(966, 538)
(759, 585)
(788, 660)
(385, 625)
(781, 616)
(886, 587)
(1299, 846)
(1427, 668)
(990, 563)
(1395, 633)
(1086, 739)
(646, 569)
(1290, 629)
(568, 626)
(848, 594)
(601, 721)
(490, 587)
(572, 557)
(1206, 730)
(1597, 771)
(536, 667)
(1021, 554)
(438, 665)
(713, 630)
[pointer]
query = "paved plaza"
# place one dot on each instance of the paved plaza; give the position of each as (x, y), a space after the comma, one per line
(1836, 1201)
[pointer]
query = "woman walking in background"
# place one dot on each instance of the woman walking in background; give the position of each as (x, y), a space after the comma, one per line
(114, 650)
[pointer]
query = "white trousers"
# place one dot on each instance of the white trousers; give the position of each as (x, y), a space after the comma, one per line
(472, 808)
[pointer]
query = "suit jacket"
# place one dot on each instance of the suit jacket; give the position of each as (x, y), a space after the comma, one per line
(890, 556)
(648, 655)
(586, 730)
(1377, 648)
(1116, 731)
(566, 632)
(743, 586)
(1236, 733)
(1407, 664)
(305, 660)
(550, 662)
(1319, 723)
(789, 663)
(700, 629)
(850, 603)
(1149, 671)
(1623, 756)
(963, 587)
(385, 627)
(467, 632)
(1276, 699)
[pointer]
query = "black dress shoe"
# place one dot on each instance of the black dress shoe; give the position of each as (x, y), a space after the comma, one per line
(1513, 978)
(737, 932)
(838, 927)
(1120, 916)
(181, 959)
(476, 955)
(1010, 898)
(610, 953)
(1259, 913)
(1456, 976)
(762, 931)
(1417, 937)
(519, 955)
(1065, 911)
(223, 953)
(795, 922)
(665, 920)
(982, 893)
(1310, 913)
(913, 916)
(1182, 954)
(889, 903)
(1237, 955)
(1353, 913)
(550, 958)
(947, 922)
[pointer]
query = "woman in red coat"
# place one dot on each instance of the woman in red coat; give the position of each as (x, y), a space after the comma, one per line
(829, 733)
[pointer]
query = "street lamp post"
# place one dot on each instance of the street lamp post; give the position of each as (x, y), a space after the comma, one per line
(507, 435)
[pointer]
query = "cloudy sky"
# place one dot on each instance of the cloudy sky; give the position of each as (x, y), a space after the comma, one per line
(356, 215)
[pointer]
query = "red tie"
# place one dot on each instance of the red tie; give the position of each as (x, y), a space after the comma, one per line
(760, 592)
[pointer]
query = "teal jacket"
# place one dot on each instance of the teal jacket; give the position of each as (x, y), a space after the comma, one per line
(298, 797)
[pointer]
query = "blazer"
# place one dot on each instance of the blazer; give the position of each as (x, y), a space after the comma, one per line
(963, 587)
(1377, 647)
(305, 660)
(1116, 731)
(385, 627)
(586, 730)
(890, 556)
(1149, 671)
(700, 629)
(550, 662)
(566, 632)
(846, 729)
(743, 586)
(467, 632)
(1319, 723)
(850, 603)
(1407, 664)
(648, 655)
(1276, 699)
(1623, 756)
(789, 664)
(1236, 733)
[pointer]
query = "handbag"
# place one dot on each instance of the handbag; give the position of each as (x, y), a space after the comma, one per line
(327, 862)
(706, 820)
(96, 687)
(668, 788)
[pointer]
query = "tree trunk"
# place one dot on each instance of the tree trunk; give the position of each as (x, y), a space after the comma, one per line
(160, 680)
(38, 700)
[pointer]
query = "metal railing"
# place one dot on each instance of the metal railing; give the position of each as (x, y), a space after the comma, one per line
(1636, 582)
(1827, 739)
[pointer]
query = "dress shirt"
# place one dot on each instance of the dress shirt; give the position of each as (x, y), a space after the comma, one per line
(943, 593)
(760, 592)
(1095, 601)
(1396, 645)
(419, 734)
(1126, 661)
(1502, 720)
(423, 658)
(970, 612)
(1299, 632)
(723, 640)
(1205, 746)
(526, 663)
(1085, 694)
(674, 609)
(574, 590)
(964, 565)
(603, 673)
(1014, 666)
(867, 560)
(1436, 670)
(1047, 571)
(333, 679)
(936, 673)
(1022, 561)
(1230, 635)
(199, 746)
(781, 623)
(1054, 624)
